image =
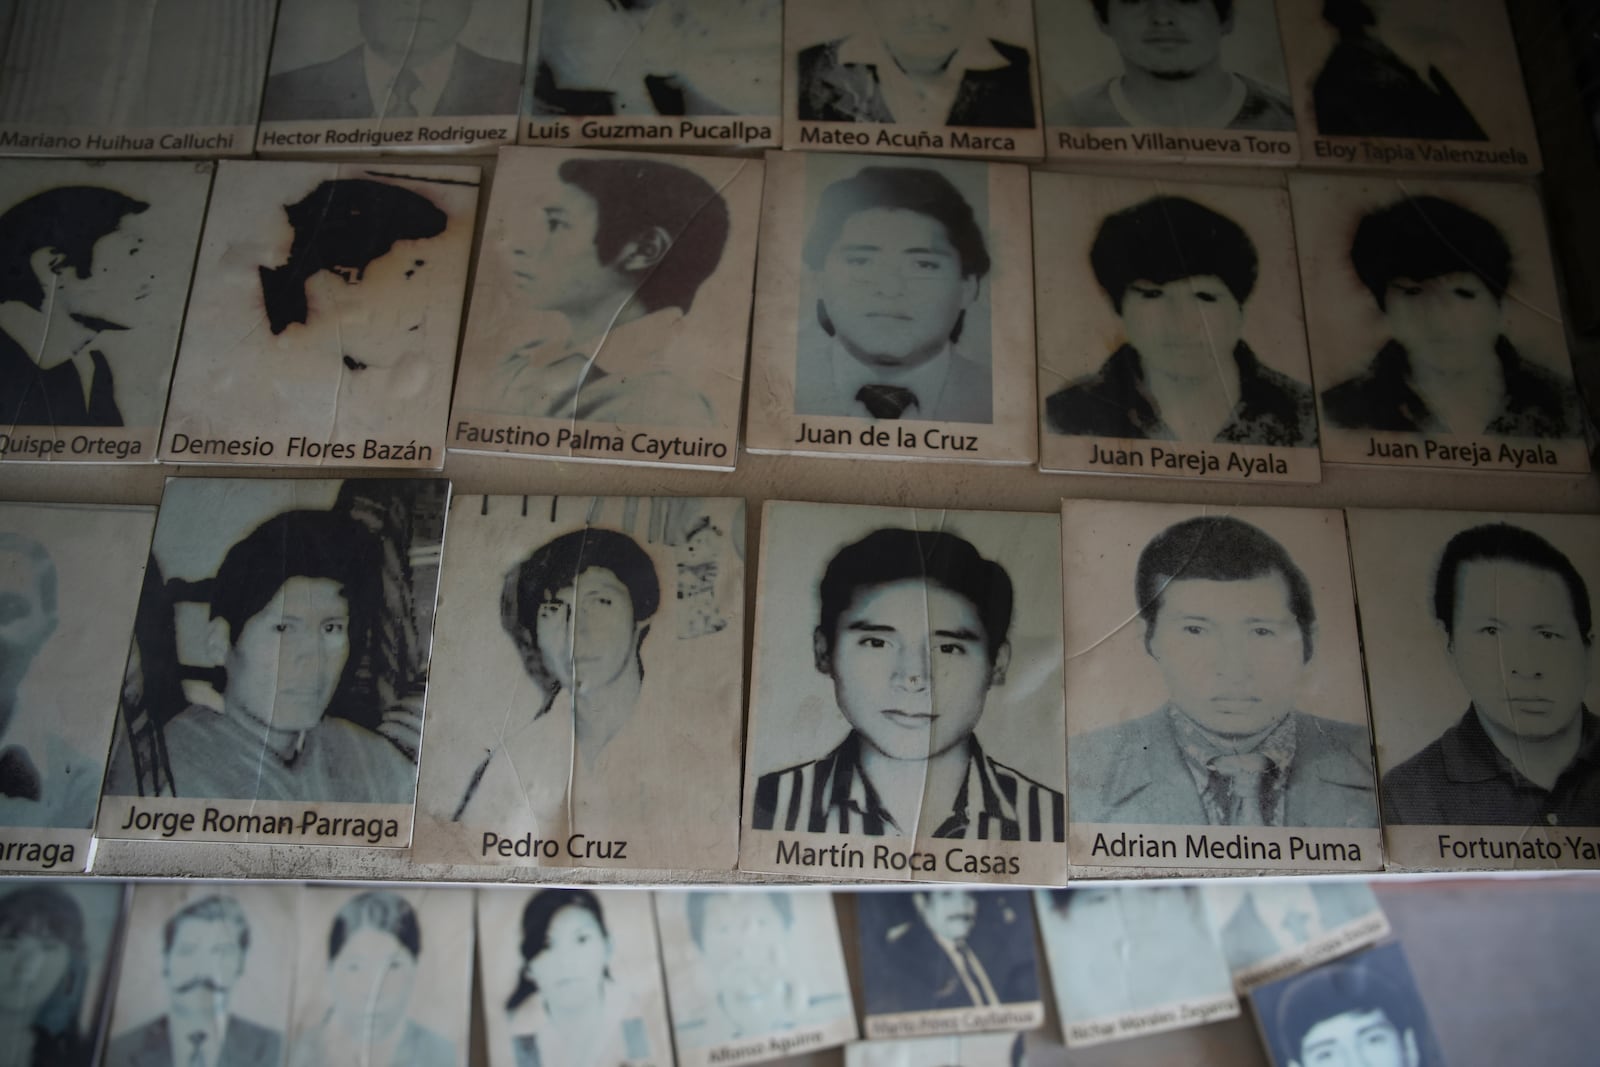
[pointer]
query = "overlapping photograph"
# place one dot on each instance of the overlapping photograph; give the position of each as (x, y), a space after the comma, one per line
(61, 941)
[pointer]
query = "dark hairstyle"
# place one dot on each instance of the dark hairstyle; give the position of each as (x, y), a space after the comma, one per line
(695, 908)
(343, 225)
(1102, 11)
(215, 908)
(636, 195)
(537, 916)
(896, 555)
(1348, 987)
(1167, 238)
(1351, 17)
(1219, 548)
(49, 912)
(69, 219)
(1422, 237)
(44, 568)
(919, 189)
(1500, 540)
(379, 910)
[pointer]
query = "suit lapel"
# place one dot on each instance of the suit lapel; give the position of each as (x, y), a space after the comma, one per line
(1150, 783)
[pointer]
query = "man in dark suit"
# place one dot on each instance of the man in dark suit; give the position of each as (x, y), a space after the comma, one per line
(203, 953)
(409, 65)
(946, 948)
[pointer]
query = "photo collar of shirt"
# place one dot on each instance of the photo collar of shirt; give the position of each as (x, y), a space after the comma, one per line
(919, 101)
(969, 969)
(1471, 756)
(431, 75)
(1223, 769)
(548, 374)
(853, 794)
(926, 380)
(1218, 118)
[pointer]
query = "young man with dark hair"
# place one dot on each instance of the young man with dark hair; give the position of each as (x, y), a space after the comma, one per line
(1518, 627)
(897, 257)
(913, 633)
(1350, 1013)
(1178, 274)
(1172, 73)
(1230, 623)
(1439, 273)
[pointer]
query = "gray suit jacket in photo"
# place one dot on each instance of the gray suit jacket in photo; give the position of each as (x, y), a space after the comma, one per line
(1135, 773)
(244, 1044)
(968, 391)
(337, 89)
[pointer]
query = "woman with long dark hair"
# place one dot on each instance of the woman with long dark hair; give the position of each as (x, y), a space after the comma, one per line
(44, 973)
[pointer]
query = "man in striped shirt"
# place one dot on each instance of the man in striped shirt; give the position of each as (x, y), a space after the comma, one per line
(913, 632)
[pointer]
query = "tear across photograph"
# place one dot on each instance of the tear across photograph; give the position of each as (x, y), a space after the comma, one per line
(59, 945)
(588, 685)
(322, 328)
(906, 706)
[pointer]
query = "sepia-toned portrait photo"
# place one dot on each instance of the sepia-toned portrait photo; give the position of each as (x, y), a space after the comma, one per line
(968, 1050)
(747, 967)
(1130, 961)
(1435, 325)
(133, 77)
(95, 260)
(1165, 80)
(1214, 680)
(58, 946)
(383, 978)
(1192, 361)
(571, 978)
(610, 308)
(929, 957)
(906, 695)
(587, 684)
(322, 329)
(279, 662)
(1269, 929)
(1480, 655)
(892, 293)
(206, 976)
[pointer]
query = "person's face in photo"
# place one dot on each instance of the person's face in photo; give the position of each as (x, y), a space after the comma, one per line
(1357, 1039)
(1170, 39)
(893, 288)
(370, 983)
(121, 276)
(570, 969)
(742, 940)
(411, 31)
(290, 655)
(1183, 327)
(1440, 320)
(587, 633)
(921, 34)
(32, 966)
(1231, 653)
(378, 315)
(949, 913)
(25, 625)
(202, 965)
(557, 265)
(1516, 647)
(910, 667)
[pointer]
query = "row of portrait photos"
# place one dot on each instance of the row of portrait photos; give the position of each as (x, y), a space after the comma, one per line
(929, 310)
(1428, 85)
(920, 705)
(307, 976)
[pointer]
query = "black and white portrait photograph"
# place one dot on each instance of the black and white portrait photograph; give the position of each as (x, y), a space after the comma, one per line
(383, 978)
(941, 77)
(893, 292)
(429, 75)
(1480, 655)
(1165, 80)
(1269, 929)
(571, 978)
(1214, 680)
(322, 327)
(748, 966)
(655, 72)
(967, 1050)
(1171, 335)
(1130, 961)
(279, 662)
(929, 957)
(69, 582)
(906, 691)
(1435, 325)
(58, 946)
(132, 77)
(206, 976)
(1419, 85)
(587, 684)
(95, 260)
(610, 308)
(1365, 1009)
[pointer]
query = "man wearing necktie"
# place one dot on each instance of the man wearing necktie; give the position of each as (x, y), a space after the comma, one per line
(950, 948)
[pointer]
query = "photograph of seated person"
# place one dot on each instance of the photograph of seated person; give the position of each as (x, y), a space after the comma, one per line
(897, 259)
(700, 58)
(918, 63)
(1362, 1011)
(1179, 274)
(1439, 273)
(613, 255)
(937, 949)
(1380, 80)
(1230, 624)
(1517, 624)
(1172, 70)
(912, 633)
